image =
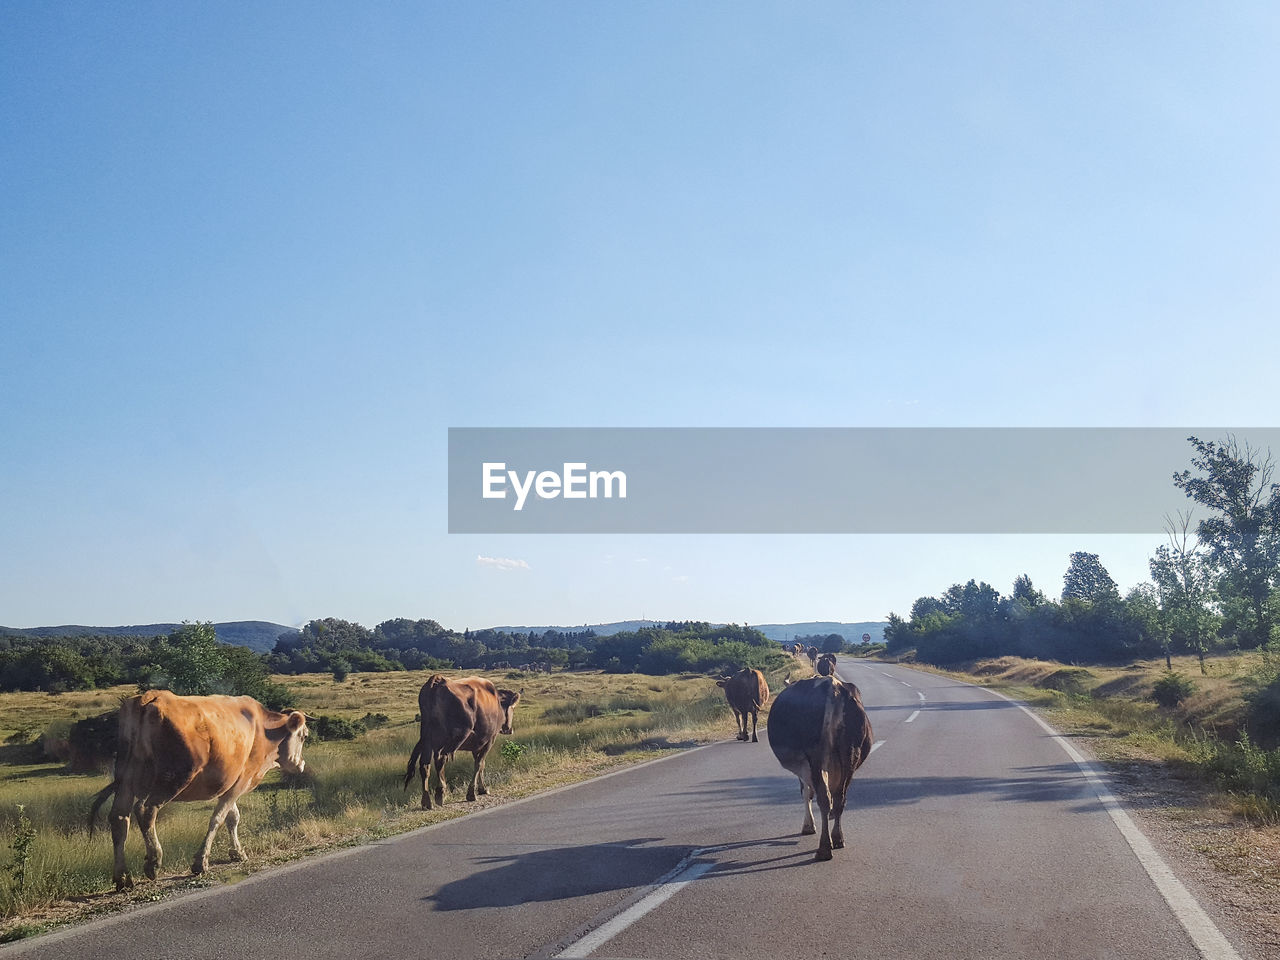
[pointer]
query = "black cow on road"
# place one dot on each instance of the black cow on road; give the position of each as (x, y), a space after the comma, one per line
(819, 726)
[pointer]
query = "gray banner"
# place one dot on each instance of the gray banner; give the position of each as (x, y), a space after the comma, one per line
(822, 480)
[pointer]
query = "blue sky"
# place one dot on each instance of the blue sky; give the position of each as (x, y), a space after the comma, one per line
(257, 261)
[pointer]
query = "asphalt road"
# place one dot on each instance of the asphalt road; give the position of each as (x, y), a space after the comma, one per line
(971, 834)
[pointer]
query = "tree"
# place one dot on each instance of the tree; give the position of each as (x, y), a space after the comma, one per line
(1242, 534)
(1025, 590)
(1087, 579)
(1182, 583)
(191, 662)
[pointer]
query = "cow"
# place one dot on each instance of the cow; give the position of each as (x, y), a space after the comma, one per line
(826, 664)
(813, 653)
(458, 715)
(746, 692)
(170, 747)
(818, 726)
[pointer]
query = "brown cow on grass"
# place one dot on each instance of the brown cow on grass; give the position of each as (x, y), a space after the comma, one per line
(746, 692)
(192, 748)
(819, 731)
(458, 715)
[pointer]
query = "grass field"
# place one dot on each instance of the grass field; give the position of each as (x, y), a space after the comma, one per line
(568, 726)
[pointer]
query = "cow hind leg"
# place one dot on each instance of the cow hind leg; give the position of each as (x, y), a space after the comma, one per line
(839, 793)
(438, 763)
(755, 715)
(740, 721)
(233, 830)
(424, 771)
(819, 785)
(146, 815)
(119, 818)
(225, 803)
(806, 793)
(477, 776)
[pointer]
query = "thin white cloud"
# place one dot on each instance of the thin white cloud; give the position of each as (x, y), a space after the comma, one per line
(502, 563)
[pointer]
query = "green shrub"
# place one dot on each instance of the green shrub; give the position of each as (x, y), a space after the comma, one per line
(325, 727)
(1172, 688)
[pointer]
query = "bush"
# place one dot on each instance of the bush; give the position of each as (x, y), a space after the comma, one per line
(1172, 688)
(325, 727)
(92, 742)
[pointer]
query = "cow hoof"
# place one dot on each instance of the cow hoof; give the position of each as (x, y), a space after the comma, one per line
(837, 843)
(124, 883)
(807, 829)
(822, 854)
(199, 867)
(754, 738)
(150, 868)
(239, 855)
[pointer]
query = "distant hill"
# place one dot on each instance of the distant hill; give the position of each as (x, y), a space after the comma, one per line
(781, 632)
(258, 635)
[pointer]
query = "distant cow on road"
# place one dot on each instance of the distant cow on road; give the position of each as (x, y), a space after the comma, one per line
(747, 691)
(813, 653)
(458, 715)
(192, 748)
(818, 726)
(826, 664)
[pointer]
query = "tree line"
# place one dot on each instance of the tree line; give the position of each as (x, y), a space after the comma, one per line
(191, 660)
(1218, 589)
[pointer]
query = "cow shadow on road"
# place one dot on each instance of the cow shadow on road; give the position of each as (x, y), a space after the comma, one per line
(564, 873)
(559, 873)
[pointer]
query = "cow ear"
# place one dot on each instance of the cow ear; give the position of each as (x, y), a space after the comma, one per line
(721, 683)
(295, 720)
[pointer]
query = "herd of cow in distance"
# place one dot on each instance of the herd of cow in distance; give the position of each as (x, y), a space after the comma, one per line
(171, 747)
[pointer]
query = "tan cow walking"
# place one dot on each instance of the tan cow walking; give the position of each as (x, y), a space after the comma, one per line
(192, 748)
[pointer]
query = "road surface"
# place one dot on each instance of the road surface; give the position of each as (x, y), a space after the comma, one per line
(971, 834)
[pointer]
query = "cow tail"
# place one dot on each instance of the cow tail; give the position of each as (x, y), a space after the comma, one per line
(413, 760)
(98, 801)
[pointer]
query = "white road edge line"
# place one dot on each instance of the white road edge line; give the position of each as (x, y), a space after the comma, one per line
(920, 695)
(685, 872)
(877, 745)
(912, 717)
(1206, 936)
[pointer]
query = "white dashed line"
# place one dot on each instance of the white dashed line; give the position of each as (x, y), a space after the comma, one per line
(920, 695)
(912, 717)
(904, 683)
(877, 745)
(685, 873)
